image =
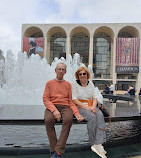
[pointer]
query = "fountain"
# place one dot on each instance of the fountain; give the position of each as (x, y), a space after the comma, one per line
(21, 98)
(25, 82)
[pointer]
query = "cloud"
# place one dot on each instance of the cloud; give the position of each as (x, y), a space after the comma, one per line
(13, 13)
(96, 11)
(100, 11)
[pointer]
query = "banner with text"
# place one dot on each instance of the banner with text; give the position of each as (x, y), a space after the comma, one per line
(34, 46)
(127, 55)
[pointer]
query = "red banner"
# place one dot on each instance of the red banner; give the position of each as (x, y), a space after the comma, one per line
(33, 46)
(127, 55)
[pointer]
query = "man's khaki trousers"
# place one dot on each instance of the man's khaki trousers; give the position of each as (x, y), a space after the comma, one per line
(59, 144)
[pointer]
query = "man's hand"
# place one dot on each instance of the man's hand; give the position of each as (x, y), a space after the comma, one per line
(57, 115)
(79, 118)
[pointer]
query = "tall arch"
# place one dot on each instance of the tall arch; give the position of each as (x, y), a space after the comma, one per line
(56, 43)
(33, 32)
(103, 52)
(33, 41)
(128, 31)
(80, 43)
(131, 33)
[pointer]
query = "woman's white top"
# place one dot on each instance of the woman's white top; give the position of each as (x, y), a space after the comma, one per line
(83, 93)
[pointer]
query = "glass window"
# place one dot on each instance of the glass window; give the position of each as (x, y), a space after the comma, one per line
(57, 46)
(102, 55)
(37, 34)
(101, 84)
(127, 76)
(124, 35)
(80, 45)
(124, 85)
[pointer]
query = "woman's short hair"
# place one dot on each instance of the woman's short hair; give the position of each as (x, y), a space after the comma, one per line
(80, 69)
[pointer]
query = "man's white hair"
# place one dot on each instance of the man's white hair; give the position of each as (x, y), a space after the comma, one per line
(63, 64)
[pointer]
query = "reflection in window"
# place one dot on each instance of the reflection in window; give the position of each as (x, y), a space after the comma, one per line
(57, 46)
(102, 55)
(80, 45)
(101, 84)
(124, 85)
(126, 76)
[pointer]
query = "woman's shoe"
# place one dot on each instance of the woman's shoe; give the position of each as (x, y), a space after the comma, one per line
(105, 152)
(99, 150)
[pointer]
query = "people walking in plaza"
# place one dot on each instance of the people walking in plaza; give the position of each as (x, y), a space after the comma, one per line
(57, 99)
(106, 89)
(85, 97)
(131, 90)
(111, 88)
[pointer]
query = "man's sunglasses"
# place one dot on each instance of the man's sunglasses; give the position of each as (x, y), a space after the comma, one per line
(80, 74)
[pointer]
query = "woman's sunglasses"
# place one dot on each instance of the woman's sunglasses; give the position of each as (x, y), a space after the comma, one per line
(80, 74)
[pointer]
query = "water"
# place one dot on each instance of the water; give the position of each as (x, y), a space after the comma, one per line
(132, 151)
(126, 151)
(21, 98)
(35, 135)
(26, 77)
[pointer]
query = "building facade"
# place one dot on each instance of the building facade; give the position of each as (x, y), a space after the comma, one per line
(97, 44)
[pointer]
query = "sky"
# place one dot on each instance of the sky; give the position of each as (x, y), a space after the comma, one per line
(14, 13)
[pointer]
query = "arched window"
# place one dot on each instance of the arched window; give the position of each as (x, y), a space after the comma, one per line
(124, 35)
(37, 34)
(33, 32)
(80, 45)
(57, 46)
(102, 55)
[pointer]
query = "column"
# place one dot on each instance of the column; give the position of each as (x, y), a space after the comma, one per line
(114, 74)
(48, 50)
(45, 48)
(138, 83)
(91, 51)
(68, 46)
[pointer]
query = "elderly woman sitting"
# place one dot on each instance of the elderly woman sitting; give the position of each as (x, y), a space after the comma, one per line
(85, 97)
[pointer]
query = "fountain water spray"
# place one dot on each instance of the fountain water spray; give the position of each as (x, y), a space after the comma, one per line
(26, 77)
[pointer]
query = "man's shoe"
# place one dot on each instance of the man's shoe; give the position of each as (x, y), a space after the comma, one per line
(99, 150)
(51, 153)
(55, 155)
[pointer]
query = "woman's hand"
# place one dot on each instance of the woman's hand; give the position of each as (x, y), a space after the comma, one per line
(91, 108)
(94, 111)
(79, 118)
(99, 106)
